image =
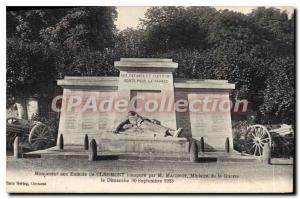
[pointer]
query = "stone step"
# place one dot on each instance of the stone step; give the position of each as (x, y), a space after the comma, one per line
(139, 157)
(79, 152)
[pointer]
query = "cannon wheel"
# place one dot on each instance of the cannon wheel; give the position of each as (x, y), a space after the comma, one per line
(41, 137)
(255, 139)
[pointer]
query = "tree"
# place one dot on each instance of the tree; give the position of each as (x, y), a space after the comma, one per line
(80, 32)
(244, 49)
(248, 50)
(129, 43)
(81, 28)
(43, 44)
(29, 72)
(276, 31)
(170, 28)
(279, 95)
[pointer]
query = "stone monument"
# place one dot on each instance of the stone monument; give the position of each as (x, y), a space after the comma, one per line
(164, 112)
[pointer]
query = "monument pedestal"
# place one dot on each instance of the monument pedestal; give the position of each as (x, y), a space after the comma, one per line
(128, 144)
(148, 86)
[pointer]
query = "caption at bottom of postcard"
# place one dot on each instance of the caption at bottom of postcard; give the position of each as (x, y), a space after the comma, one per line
(122, 177)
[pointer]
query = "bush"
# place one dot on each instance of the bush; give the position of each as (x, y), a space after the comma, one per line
(239, 130)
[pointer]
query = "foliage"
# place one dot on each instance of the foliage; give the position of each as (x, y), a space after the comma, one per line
(90, 63)
(46, 44)
(29, 70)
(170, 28)
(254, 51)
(279, 95)
(82, 28)
(239, 130)
(129, 43)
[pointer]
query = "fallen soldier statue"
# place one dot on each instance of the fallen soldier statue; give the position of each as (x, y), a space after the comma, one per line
(134, 124)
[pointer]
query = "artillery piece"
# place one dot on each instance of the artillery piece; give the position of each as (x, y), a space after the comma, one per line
(280, 138)
(33, 135)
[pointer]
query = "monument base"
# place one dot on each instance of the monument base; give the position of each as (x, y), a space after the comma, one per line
(124, 143)
(77, 151)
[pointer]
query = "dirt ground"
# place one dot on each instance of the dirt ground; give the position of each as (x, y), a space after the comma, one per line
(175, 176)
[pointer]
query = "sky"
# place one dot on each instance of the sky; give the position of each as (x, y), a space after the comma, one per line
(128, 17)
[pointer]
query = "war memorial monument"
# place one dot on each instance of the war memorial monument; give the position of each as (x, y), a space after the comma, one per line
(145, 109)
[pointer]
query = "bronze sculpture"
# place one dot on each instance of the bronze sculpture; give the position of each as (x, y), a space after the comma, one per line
(136, 124)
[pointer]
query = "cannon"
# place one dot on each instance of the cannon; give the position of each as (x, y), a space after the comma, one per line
(33, 135)
(280, 138)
